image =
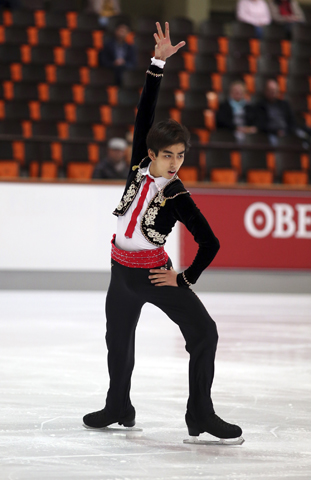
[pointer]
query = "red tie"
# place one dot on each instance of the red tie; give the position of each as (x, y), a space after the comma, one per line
(139, 206)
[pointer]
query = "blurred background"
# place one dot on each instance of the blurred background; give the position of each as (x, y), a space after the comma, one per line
(70, 77)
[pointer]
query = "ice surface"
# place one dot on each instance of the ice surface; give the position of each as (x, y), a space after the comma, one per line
(53, 371)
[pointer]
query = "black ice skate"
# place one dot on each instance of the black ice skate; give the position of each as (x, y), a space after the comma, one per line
(102, 419)
(227, 433)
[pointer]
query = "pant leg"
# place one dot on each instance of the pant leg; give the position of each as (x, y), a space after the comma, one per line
(123, 309)
(200, 333)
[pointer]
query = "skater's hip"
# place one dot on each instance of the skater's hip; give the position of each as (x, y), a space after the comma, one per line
(142, 259)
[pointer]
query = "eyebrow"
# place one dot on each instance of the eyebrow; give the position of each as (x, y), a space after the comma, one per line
(168, 151)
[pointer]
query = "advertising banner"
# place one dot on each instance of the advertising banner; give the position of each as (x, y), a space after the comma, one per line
(262, 229)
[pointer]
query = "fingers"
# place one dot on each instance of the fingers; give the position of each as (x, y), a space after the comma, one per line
(159, 30)
(167, 30)
(179, 45)
(156, 37)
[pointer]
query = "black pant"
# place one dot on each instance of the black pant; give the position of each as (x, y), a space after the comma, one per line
(129, 290)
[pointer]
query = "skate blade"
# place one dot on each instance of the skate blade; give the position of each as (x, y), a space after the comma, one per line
(221, 441)
(114, 429)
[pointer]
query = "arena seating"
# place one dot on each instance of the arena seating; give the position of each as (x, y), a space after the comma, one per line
(58, 107)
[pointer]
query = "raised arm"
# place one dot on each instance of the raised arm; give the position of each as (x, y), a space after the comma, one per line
(149, 96)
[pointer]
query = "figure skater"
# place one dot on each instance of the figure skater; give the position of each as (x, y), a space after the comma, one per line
(153, 200)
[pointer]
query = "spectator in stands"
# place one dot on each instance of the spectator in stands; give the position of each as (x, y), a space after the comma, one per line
(104, 8)
(286, 12)
(254, 12)
(235, 113)
(273, 115)
(118, 54)
(114, 165)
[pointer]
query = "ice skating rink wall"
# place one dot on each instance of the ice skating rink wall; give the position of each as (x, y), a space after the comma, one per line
(59, 227)
(50, 230)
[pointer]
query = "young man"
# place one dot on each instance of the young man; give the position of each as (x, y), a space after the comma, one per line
(153, 200)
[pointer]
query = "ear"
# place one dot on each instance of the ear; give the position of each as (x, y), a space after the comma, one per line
(151, 154)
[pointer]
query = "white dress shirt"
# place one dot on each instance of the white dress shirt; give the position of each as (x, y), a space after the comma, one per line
(138, 241)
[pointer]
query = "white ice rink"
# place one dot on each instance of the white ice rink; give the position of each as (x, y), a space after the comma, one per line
(53, 371)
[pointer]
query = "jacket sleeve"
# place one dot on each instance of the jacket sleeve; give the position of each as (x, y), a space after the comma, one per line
(187, 212)
(224, 116)
(145, 113)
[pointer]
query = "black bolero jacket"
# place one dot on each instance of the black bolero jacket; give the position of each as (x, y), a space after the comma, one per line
(173, 202)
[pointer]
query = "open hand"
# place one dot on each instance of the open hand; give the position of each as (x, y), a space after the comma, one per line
(164, 48)
(163, 277)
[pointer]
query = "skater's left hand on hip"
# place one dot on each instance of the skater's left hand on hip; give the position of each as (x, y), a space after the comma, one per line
(163, 277)
(164, 48)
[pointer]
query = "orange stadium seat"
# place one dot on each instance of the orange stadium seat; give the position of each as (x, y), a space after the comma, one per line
(46, 170)
(254, 167)
(291, 169)
(80, 171)
(219, 167)
(9, 169)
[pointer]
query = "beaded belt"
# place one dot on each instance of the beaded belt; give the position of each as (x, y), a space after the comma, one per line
(142, 259)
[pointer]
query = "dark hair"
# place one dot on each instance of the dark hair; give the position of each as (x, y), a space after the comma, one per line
(166, 133)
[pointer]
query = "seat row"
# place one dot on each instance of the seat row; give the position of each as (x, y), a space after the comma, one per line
(48, 19)
(51, 160)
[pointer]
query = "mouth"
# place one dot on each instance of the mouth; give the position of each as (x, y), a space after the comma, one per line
(171, 172)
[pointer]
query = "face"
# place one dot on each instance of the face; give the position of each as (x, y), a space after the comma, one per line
(121, 32)
(271, 90)
(115, 155)
(237, 92)
(168, 161)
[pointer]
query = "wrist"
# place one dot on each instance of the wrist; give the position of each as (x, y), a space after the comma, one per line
(159, 62)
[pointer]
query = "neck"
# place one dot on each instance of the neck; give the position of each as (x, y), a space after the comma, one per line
(153, 173)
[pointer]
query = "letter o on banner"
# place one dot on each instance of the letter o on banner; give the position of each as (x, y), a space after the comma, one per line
(266, 218)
